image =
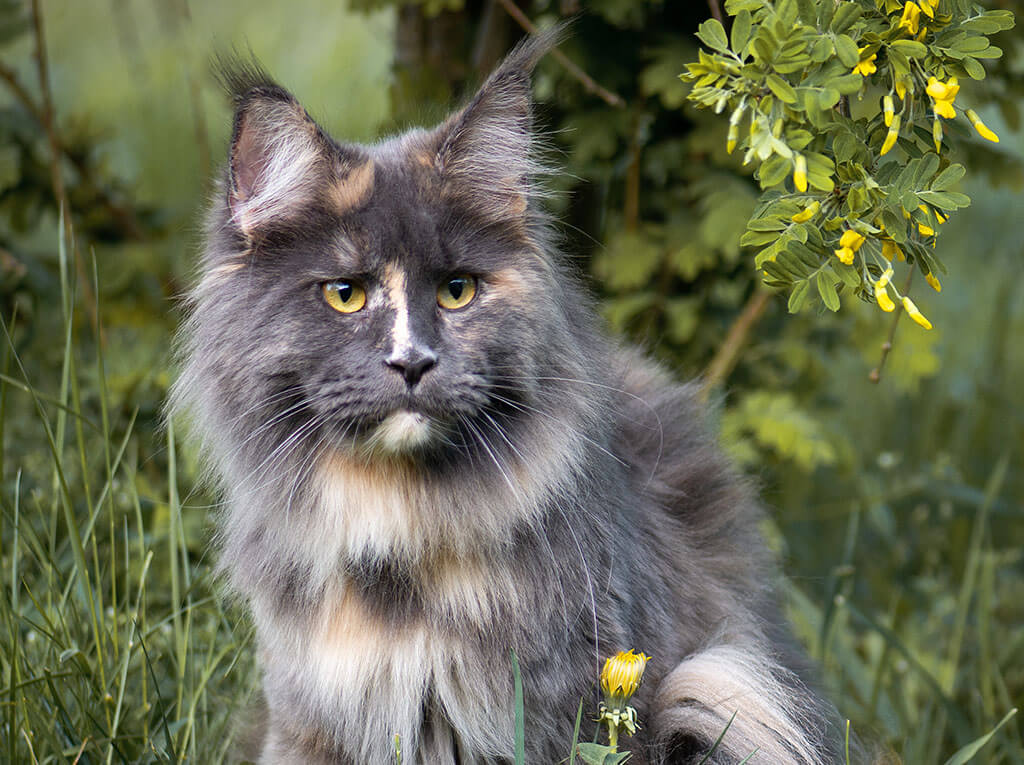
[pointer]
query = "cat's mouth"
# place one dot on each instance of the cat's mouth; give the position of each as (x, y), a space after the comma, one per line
(401, 432)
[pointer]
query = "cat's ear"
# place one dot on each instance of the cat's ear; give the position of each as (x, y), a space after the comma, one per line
(485, 150)
(278, 153)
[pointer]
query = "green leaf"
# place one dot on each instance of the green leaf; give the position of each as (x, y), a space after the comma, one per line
(827, 282)
(712, 34)
(965, 754)
(910, 48)
(846, 14)
(948, 177)
(798, 296)
(774, 171)
(781, 88)
(847, 84)
(846, 49)
(945, 200)
(740, 34)
(828, 97)
(973, 68)
(596, 754)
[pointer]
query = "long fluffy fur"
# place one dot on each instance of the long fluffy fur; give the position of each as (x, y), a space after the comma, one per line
(567, 501)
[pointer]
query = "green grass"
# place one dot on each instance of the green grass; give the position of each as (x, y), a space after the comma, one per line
(113, 645)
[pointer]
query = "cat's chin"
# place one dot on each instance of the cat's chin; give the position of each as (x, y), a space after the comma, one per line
(401, 432)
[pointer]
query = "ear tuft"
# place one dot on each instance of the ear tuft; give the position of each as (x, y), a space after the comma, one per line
(277, 151)
(485, 155)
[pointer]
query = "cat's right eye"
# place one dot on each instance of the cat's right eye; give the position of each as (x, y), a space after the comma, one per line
(344, 296)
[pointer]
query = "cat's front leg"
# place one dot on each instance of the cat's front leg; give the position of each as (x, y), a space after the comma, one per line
(775, 720)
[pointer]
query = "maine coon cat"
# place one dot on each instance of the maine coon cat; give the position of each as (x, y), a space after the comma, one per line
(432, 456)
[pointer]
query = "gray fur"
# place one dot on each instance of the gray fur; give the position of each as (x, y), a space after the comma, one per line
(565, 501)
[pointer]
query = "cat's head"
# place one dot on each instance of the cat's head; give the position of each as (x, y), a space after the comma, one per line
(398, 299)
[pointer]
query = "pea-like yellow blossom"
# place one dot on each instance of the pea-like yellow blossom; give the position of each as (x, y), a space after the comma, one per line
(621, 677)
(925, 230)
(916, 315)
(851, 239)
(937, 134)
(730, 140)
(983, 130)
(882, 298)
(928, 8)
(800, 173)
(807, 213)
(911, 18)
(942, 94)
(865, 66)
(883, 280)
(890, 250)
(849, 243)
(891, 136)
(888, 110)
(935, 283)
(901, 88)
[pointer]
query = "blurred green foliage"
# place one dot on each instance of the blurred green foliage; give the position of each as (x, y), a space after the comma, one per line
(898, 505)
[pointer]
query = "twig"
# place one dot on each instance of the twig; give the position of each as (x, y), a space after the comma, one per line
(588, 83)
(728, 354)
(875, 375)
(716, 11)
(129, 223)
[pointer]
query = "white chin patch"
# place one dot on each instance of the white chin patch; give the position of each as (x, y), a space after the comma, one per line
(401, 432)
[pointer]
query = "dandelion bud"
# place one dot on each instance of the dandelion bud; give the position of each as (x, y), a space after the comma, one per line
(935, 284)
(891, 136)
(807, 213)
(621, 677)
(888, 110)
(916, 315)
(981, 127)
(800, 173)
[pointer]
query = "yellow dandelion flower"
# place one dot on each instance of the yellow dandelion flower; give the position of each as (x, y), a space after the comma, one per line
(621, 677)
(916, 315)
(911, 18)
(807, 213)
(942, 94)
(983, 130)
(865, 66)
(800, 173)
(935, 283)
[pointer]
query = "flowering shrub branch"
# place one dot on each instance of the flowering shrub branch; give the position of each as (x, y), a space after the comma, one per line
(845, 107)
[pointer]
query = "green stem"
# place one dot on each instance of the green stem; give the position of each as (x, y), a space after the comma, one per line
(613, 736)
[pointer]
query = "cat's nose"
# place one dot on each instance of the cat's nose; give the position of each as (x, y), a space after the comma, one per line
(411, 362)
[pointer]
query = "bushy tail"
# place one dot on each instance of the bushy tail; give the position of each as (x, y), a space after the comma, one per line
(774, 718)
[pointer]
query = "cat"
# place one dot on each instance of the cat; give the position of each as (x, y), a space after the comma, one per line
(432, 456)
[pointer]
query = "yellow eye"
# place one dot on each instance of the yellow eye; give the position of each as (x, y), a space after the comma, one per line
(456, 292)
(344, 297)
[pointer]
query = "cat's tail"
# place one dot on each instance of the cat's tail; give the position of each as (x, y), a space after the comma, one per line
(744, 701)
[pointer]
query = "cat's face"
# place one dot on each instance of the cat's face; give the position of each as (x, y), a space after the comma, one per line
(395, 299)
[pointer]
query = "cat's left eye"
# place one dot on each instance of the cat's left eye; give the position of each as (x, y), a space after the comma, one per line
(456, 292)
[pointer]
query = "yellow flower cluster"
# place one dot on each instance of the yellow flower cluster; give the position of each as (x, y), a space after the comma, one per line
(849, 243)
(886, 303)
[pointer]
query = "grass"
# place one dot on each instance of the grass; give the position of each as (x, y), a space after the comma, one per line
(114, 646)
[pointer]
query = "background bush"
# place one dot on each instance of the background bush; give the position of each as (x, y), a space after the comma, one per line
(898, 505)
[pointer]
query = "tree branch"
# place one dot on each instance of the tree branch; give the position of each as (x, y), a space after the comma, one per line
(589, 85)
(875, 375)
(728, 354)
